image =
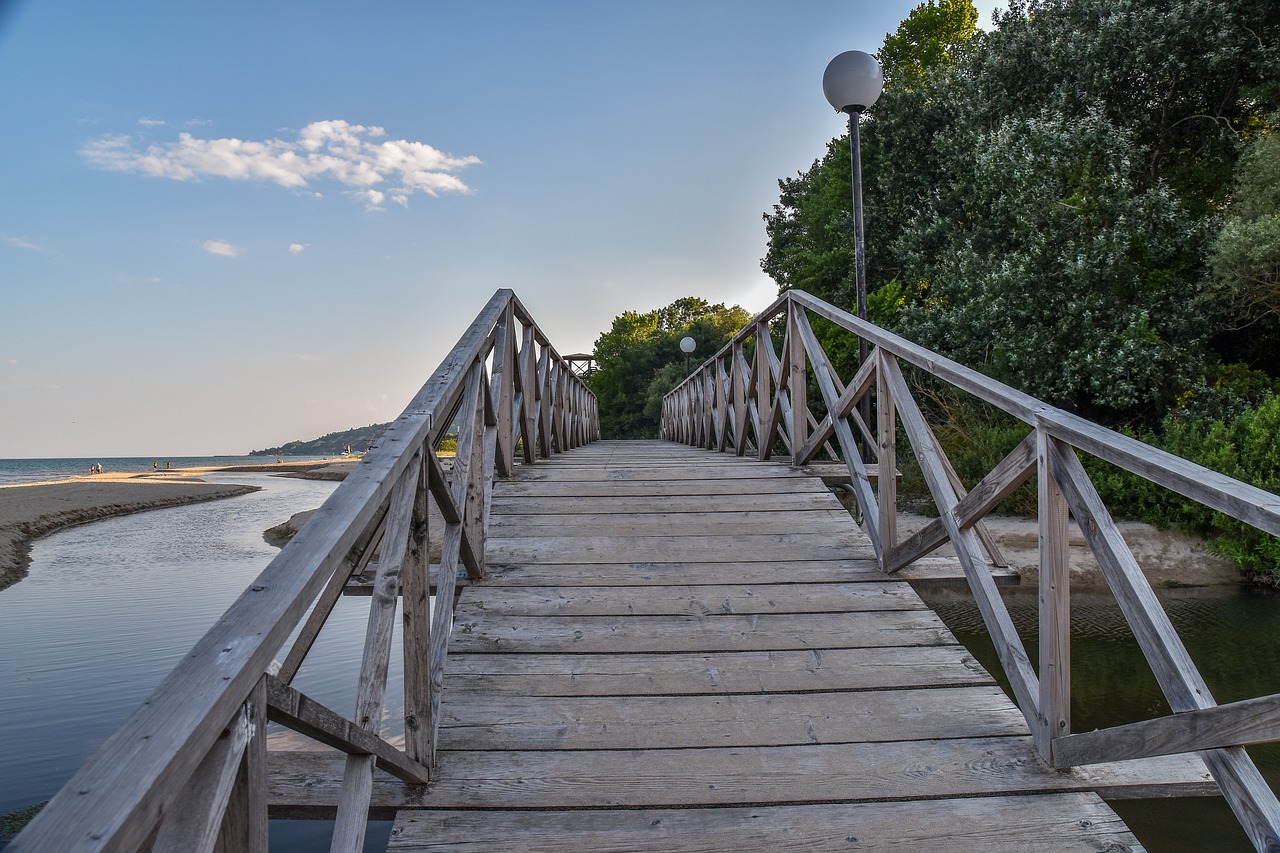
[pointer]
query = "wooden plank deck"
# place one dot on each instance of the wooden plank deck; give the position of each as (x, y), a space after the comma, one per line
(680, 650)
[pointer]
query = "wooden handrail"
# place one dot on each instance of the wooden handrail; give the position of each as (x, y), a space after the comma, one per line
(502, 376)
(728, 405)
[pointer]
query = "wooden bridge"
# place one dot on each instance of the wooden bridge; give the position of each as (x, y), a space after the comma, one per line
(650, 646)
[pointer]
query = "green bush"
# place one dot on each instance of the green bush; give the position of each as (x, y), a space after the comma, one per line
(1230, 424)
(1245, 445)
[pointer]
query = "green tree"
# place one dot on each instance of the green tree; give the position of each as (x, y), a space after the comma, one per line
(1246, 259)
(640, 354)
(810, 229)
(1064, 171)
(928, 38)
(1075, 242)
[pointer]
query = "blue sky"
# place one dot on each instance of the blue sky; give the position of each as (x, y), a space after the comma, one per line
(226, 226)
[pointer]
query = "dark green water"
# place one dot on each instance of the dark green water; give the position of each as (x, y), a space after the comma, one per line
(1233, 635)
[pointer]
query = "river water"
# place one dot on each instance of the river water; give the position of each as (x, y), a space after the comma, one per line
(108, 608)
(1232, 634)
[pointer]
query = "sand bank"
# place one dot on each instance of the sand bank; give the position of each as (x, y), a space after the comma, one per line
(31, 510)
(1168, 557)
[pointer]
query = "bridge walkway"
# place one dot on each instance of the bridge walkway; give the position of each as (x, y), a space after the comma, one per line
(677, 650)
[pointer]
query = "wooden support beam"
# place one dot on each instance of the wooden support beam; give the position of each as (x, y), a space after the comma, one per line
(845, 407)
(290, 707)
(353, 564)
(887, 458)
(357, 783)
(415, 616)
(1236, 724)
(1008, 645)
(1248, 794)
(1000, 482)
(852, 456)
(1054, 720)
(194, 819)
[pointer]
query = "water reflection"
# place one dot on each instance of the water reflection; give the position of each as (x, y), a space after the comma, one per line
(108, 609)
(1232, 634)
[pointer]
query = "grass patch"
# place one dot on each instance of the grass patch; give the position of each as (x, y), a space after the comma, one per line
(13, 822)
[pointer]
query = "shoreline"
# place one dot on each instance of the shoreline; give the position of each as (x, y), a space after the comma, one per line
(29, 511)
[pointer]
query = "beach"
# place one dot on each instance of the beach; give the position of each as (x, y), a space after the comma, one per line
(31, 510)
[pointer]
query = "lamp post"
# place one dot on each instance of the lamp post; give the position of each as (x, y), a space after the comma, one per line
(852, 82)
(687, 346)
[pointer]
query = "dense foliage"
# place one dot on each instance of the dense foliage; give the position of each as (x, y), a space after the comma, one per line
(1083, 202)
(639, 360)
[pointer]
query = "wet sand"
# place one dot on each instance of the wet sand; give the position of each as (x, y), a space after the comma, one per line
(31, 510)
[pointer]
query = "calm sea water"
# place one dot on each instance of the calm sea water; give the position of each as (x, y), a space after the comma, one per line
(108, 609)
(39, 470)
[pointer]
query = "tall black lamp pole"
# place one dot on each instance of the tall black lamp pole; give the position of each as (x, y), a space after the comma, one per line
(852, 83)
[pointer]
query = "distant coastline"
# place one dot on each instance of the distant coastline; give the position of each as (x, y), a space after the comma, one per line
(31, 510)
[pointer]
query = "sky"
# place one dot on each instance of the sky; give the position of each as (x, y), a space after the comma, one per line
(230, 225)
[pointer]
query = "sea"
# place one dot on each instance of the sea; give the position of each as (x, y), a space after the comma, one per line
(15, 471)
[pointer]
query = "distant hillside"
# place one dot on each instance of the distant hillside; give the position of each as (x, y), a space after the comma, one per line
(359, 440)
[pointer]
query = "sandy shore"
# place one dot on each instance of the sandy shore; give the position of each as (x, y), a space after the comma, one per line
(31, 510)
(1167, 557)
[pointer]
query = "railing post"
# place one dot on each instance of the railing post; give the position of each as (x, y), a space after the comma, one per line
(1054, 719)
(764, 401)
(887, 459)
(797, 382)
(416, 621)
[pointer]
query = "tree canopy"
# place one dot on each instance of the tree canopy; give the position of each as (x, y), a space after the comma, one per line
(639, 360)
(1071, 169)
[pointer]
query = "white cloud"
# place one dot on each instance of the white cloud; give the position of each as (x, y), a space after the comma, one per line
(354, 155)
(152, 122)
(296, 248)
(13, 362)
(221, 247)
(21, 243)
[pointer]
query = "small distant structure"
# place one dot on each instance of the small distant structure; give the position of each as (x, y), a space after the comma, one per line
(583, 364)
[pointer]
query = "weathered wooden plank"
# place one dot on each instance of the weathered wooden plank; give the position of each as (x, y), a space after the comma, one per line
(1000, 627)
(612, 504)
(303, 783)
(746, 548)
(497, 633)
(861, 486)
(661, 488)
(197, 815)
(710, 465)
(821, 521)
(649, 573)
(477, 721)
(1010, 473)
(672, 674)
(1051, 822)
(686, 599)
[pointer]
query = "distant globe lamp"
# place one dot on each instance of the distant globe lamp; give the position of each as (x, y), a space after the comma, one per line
(687, 346)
